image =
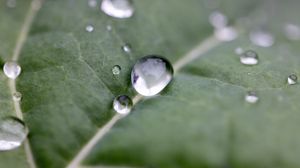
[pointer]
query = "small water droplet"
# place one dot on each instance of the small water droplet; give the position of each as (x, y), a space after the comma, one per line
(118, 8)
(12, 133)
(226, 33)
(262, 38)
(92, 3)
(238, 51)
(249, 57)
(122, 104)
(12, 69)
(151, 74)
(17, 96)
(251, 97)
(126, 48)
(116, 70)
(218, 20)
(292, 79)
(89, 28)
(108, 28)
(292, 31)
(11, 3)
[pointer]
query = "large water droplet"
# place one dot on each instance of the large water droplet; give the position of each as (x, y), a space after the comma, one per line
(118, 8)
(108, 27)
(116, 70)
(126, 48)
(262, 38)
(12, 69)
(218, 20)
(17, 96)
(12, 133)
(249, 57)
(226, 33)
(251, 97)
(122, 104)
(151, 74)
(292, 79)
(292, 31)
(89, 28)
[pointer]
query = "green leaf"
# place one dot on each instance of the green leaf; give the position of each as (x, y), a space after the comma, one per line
(200, 120)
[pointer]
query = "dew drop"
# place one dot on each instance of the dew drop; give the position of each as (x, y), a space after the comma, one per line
(218, 20)
(12, 133)
(292, 79)
(292, 31)
(151, 74)
(226, 33)
(92, 3)
(262, 38)
(118, 8)
(249, 57)
(17, 96)
(122, 104)
(89, 28)
(126, 48)
(108, 28)
(116, 70)
(238, 51)
(12, 69)
(251, 97)
(11, 3)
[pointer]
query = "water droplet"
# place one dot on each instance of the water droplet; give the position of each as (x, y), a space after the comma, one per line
(251, 97)
(292, 31)
(238, 51)
(17, 96)
(126, 48)
(89, 28)
(218, 20)
(292, 79)
(116, 70)
(262, 38)
(122, 104)
(226, 33)
(118, 8)
(11, 3)
(12, 133)
(108, 28)
(92, 3)
(151, 74)
(12, 69)
(249, 57)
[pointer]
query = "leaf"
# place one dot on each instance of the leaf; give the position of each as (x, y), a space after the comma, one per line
(200, 120)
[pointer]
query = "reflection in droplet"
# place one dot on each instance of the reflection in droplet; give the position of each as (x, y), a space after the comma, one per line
(118, 8)
(151, 74)
(292, 31)
(17, 96)
(292, 79)
(92, 3)
(226, 33)
(12, 133)
(126, 48)
(251, 97)
(12, 69)
(116, 70)
(218, 20)
(262, 38)
(122, 104)
(249, 57)
(89, 28)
